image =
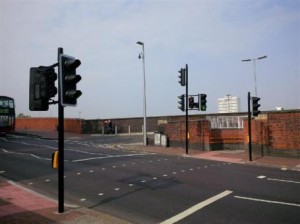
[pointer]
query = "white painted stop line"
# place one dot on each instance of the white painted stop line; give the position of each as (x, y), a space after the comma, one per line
(196, 207)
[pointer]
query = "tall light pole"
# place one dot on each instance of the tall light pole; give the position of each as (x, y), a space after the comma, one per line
(142, 55)
(254, 69)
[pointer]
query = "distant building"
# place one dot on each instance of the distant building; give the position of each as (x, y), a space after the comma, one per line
(229, 104)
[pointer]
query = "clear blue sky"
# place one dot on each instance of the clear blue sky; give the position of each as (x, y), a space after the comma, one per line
(212, 37)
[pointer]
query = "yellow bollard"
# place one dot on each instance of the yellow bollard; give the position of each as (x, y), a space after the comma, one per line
(55, 160)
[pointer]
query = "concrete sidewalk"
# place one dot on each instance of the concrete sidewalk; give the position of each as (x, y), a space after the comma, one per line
(20, 205)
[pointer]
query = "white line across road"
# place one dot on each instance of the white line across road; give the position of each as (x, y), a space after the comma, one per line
(196, 207)
(267, 201)
(111, 156)
(287, 181)
(279, 180)
(23, 153)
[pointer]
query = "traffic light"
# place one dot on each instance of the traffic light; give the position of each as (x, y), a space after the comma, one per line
(41, 87)
(51, 77)
(182, 77)
(68, 80)
(191, 102)
(255, 106)
(181, 102)
(202, 101)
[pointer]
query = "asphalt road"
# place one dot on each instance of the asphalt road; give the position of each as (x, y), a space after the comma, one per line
(144, 187)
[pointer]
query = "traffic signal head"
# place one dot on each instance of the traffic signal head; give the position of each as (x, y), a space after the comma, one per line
(51, 77)
(41, 88)
(68, 80)
(255, 106)
(191, 102)
(181, 77)
(202, 101)
(181, 102)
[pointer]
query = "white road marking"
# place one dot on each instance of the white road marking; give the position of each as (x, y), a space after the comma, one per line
(280, 180)
(22, 153)
(117, 189)
(196, 207)
(268, 201)
(82, 199)
(2, 171)
(111, 156)
(287, 181)
(283, 168)
(100, 194)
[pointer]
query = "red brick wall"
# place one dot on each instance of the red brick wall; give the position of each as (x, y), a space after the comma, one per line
(275, 131)
(284, 130)
(198, 133)
(45, 124)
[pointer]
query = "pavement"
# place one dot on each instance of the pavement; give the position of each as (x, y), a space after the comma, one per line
(21, 205)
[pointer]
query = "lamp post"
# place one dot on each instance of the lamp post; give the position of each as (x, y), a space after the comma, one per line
(142, 55)
(254, 70)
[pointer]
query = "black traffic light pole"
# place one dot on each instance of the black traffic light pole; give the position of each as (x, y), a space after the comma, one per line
(60, 142)
(249, 128)
(186, 110)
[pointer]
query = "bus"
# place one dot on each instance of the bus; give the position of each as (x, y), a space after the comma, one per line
(7, 115)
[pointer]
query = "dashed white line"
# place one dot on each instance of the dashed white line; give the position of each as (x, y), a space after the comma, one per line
(196, 207)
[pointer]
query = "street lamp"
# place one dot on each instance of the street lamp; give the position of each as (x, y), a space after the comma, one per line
(254, 71)
(142, 55)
